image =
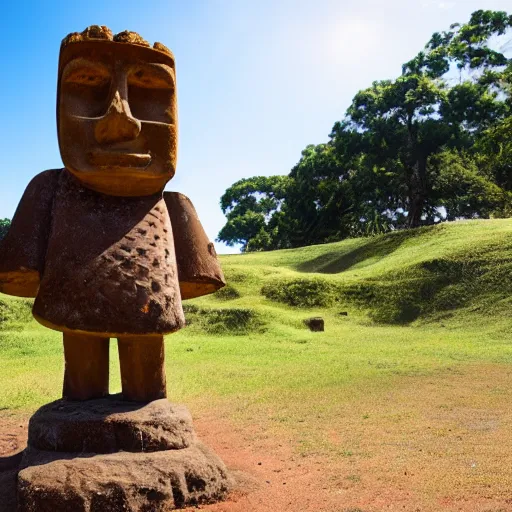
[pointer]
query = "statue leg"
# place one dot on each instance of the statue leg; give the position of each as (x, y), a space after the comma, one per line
(142, 367)
(86, 370)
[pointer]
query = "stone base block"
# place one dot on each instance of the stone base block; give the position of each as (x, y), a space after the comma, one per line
(128, 482)
(109, 425)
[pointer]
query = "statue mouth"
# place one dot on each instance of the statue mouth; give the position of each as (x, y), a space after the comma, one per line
(118, 158)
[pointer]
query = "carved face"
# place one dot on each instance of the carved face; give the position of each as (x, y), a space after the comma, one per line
(117, 117)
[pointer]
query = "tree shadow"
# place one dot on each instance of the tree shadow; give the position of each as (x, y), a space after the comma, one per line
(376, 247)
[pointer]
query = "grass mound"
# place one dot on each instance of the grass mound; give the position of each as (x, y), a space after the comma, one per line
(481, 279)
(397, 278)
(302, 292)
(424, 290)
(228, 321)
(227, 293)
(14, 313)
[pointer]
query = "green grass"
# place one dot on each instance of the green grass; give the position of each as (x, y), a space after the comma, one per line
(419, 302)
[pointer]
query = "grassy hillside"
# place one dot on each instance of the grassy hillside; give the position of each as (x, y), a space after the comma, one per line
(417, 303)
(429, 273)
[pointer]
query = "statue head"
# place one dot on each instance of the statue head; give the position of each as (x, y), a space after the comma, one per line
(117, 112)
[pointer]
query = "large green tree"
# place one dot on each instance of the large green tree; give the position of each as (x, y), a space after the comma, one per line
(432, 144)
(403, 122)
(317, 199)
(399, 128)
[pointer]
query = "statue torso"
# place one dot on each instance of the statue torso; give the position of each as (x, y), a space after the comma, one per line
(110, 265)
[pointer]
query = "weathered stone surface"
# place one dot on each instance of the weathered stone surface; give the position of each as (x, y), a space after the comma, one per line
(85, 381)
(198, 268)
(110, 425)
(142, 362)
(115, 144)
(128, 482)
(315, 324)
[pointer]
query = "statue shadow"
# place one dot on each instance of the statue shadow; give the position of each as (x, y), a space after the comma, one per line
(9, 466)
(374, 249)
(10, 462)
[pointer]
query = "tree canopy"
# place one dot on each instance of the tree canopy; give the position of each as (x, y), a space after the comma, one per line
(253, 208)
(431, 145)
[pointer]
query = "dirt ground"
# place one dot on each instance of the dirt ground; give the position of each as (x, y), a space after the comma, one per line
(435, 444)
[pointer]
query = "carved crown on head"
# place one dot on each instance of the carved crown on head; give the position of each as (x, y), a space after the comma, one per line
(102, 33)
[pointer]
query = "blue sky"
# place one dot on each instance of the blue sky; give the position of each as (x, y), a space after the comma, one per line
(258, 80)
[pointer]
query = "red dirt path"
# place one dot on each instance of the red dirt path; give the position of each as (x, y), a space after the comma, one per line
(438, 444)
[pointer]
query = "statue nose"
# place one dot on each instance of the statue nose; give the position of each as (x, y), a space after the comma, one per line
(118, 124)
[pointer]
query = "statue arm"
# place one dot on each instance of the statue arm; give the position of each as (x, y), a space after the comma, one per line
(22, 251)
(199, 270)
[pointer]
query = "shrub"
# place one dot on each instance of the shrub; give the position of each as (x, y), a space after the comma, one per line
(302, 293)
(233, 321)
(227, 293)
(14, 313)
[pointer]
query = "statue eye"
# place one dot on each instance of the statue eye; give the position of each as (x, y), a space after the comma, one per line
(151, 93)
(148, 104)
(86, 93)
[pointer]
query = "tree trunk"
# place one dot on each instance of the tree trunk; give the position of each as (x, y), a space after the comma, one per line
(417, 193)
(418, 176)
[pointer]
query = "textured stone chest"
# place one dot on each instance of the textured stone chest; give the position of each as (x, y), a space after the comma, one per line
(110, 265)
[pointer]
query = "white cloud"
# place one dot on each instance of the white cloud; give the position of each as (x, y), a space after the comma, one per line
(352, 38)
(443, 6)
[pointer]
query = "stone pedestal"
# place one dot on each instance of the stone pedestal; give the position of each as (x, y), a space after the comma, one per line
(108, 455)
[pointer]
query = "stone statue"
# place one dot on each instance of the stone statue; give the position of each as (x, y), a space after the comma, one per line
(108, 254)
(104, 251)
